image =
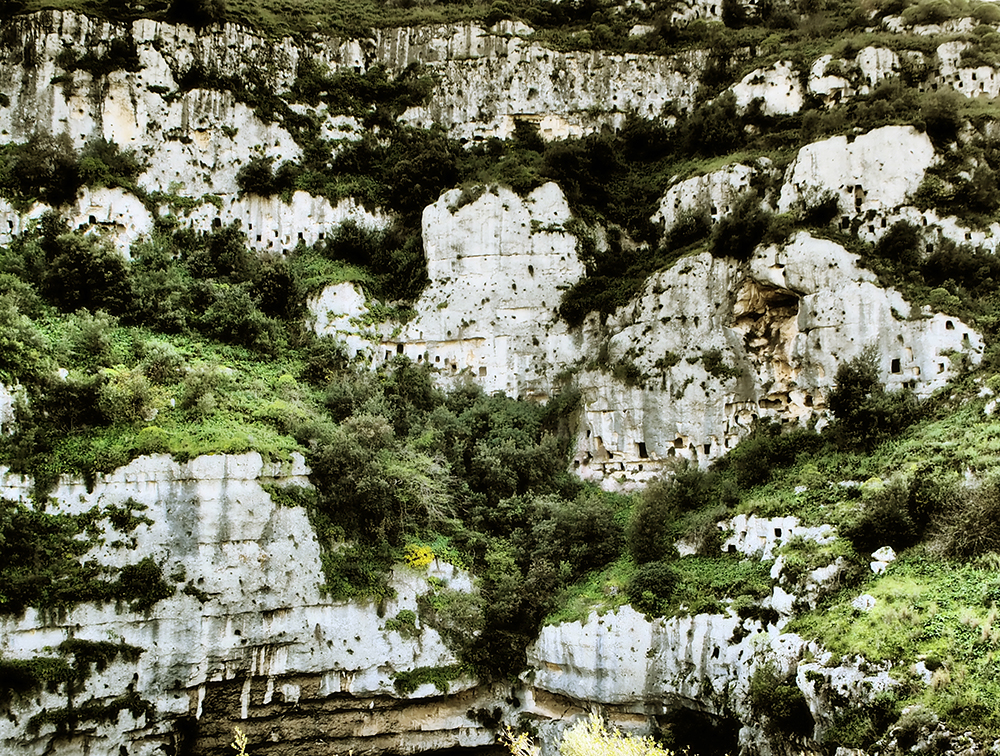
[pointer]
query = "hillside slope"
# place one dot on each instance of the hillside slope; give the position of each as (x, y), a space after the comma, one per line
(372, 391)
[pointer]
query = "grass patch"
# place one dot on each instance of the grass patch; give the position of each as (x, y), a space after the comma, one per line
(932, 611)
(602, 591)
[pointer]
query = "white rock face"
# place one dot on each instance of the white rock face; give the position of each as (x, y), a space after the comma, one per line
(7, 416)
(113, 213)
(497, 268)
(979, 81)
(781, 325)
(778, 88)
(489, 78)
(877, 171)
(777, 326)
(264, 620)
(716, 193)
(859, 76)
(760, 536)
(338, 311)
(831, 87)
(704, 662)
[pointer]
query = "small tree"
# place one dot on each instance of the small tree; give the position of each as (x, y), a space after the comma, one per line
(865, 414)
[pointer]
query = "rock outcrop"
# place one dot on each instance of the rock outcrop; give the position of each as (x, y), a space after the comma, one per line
(248, 633)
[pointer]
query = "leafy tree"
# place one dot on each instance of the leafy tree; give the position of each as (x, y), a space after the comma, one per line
(257, 177)
(738, 234)
(235, 318)
(865, 414)
(45, 167)
(649, 527)
(582, 533)
(86, 273)
(198, 13)
(102, 163)
(652, 586)
(23, 348)
(900, 244)
(941, 113)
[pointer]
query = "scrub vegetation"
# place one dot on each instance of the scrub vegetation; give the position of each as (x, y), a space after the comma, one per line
(196, 345)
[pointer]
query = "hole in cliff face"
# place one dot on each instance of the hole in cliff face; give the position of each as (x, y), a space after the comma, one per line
(767, 317)
(686, 730)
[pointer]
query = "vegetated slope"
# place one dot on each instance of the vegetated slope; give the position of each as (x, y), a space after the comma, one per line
(196, 346)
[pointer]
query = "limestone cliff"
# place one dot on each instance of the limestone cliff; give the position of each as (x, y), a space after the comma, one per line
(706, 347)
(250, 635)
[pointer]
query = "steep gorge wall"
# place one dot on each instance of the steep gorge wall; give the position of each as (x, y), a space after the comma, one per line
(248, 639)
(712, 344)
(251, 638)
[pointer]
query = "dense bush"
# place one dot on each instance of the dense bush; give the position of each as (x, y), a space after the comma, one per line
(23, 348)
(941, 115)
(581, 533)
(779, 702)
(234, 317)
(969, 523)
(198, 13)
(83, 272)
(650, 526)
(901, 244)
(325, 357)
(45, 168)
(767, 450)
(652, 586)
(865, 414)
(884, 520)
(738, 234)
(125, 396)
(102, 163)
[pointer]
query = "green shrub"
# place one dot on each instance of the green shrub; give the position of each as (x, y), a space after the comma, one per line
(141, 585)
(152, 440)
(234, 318)
(90, 338)
(717, 367)
(257, 177)
(198, 13)
(45, 168)
(901, 244)
(689, 227)
(348, 393)
(865, 414)
(884, 520)
(738, 234)
(969, 525)
(200, 384)
(83, 272)
(358, 571)
(652, 587)
(222, 255)
(125, 396)
(161, 362)
(649, 529)
(861, 725)
(582, 533)
(765, 451)
(23, 348)
(102, 163)
(941, 113)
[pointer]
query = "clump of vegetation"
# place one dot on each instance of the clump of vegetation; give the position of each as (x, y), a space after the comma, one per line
(866, 414)
(43, 563)
(779, 702)
(48, 168)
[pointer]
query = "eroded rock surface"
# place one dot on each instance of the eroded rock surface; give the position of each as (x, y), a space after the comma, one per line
(248, 634)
